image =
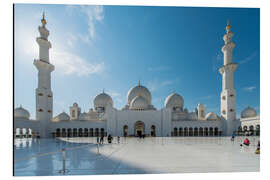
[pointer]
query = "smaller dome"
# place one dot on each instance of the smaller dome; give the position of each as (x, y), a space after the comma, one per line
(20, 112)
(248, 112)
(139, 102)
(211, 116)
(63, 117)
(174, 100)
(75, 105)
(102, 100)
(84, 116)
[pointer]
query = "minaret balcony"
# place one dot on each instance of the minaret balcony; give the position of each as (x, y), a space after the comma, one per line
(228, 67)
(40, 64)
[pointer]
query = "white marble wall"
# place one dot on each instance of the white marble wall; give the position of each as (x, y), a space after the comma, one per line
(252, 121)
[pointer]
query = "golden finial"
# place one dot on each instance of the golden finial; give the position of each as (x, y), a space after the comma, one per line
(228, 27)
(43, 20)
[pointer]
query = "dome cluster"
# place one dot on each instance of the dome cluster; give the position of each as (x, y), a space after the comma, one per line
(138, 98)
(248, 112)
(20, 112)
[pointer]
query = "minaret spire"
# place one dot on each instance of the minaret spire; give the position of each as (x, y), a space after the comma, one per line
(43, 20)
(228, 27)
(228, 94)
(44, 95)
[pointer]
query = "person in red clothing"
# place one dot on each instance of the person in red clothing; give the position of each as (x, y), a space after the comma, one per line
(246, 142)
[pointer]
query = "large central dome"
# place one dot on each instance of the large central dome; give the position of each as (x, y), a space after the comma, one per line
(138, 103)
(139, 91)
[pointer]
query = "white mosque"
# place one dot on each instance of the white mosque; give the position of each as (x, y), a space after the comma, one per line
(139, 116)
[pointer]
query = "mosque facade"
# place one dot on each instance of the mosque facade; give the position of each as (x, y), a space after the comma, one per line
(139, 116)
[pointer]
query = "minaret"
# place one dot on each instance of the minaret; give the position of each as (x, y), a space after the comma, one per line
(228, 94)
(44, 96)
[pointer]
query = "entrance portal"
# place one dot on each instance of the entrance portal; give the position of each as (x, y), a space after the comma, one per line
(139, 128)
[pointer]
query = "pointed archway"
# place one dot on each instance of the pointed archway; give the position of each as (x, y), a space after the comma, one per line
(139, 128)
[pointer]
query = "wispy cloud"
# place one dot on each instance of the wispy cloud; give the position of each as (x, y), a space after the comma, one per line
(116, 96)
(159, 68)
(72, 64)
(249, 58)
(249, 89)
(155, 84)
(71, 38)
(207, 97)
(93, 14)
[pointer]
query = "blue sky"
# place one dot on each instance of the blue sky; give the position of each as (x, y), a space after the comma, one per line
(112, 47)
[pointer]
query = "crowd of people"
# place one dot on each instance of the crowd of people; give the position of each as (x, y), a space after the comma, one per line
(100, 140)
(246, 142)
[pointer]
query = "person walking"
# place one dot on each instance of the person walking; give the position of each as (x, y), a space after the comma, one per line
(118, 139)
(110, 138)
(233, 136)
(101, 139)
(97, 139)
(258, 148)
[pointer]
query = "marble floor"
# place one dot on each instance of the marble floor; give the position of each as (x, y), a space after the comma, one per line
(43, 157)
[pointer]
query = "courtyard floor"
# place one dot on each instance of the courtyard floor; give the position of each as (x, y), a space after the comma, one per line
(33, 157)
